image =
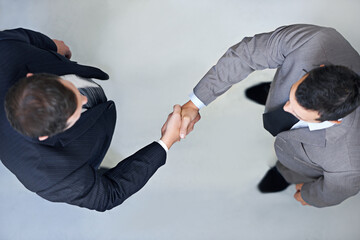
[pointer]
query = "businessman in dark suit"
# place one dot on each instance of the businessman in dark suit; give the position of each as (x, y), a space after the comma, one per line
(56, 127)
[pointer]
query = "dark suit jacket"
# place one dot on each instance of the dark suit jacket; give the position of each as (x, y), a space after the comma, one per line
(62, 168)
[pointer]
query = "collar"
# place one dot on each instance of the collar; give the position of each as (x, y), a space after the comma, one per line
(321, 125)
(313, 126)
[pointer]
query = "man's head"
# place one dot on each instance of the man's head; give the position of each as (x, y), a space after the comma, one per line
(42, 105)
(324, 94)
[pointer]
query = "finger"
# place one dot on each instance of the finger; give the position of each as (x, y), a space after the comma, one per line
(198, 117)
(184, 126)
(192, 124)
(167, 120)
(190, 130)
(163, 127)
(190, 127)
(296, 196)
(298, 187)
(68, 54)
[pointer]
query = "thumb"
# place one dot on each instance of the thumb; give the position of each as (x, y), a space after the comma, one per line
(184, 126)
(177, 109)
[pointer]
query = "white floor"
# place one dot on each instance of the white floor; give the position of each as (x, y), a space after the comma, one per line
(155, 52)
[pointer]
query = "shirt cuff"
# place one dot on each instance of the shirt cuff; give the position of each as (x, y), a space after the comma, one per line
(163, 145)
(198, 103)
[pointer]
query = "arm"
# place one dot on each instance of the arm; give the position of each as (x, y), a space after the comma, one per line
(36, 39)
(28, 36)
(87, 188)
(266, 50)
(331, 189)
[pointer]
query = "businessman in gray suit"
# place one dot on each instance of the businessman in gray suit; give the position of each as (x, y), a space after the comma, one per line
(311, 107)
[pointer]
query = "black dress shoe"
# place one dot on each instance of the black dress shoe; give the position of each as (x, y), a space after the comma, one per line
(272, 182)
(258, 93)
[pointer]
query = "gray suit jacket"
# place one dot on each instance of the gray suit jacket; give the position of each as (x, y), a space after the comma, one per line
(328, 160)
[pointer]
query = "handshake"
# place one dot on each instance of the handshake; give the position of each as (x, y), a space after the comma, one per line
(179, 123)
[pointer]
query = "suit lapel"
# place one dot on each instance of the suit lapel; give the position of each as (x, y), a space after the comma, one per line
(304, 135)
(320, 137)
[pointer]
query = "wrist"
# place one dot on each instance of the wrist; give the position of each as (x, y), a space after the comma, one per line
(191, 105)
(163, 145)
(195, 100)
(167, 142)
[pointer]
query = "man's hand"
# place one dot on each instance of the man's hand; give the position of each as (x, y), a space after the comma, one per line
(171, 128)
(189, 116)
(62, 48)
(297, 195)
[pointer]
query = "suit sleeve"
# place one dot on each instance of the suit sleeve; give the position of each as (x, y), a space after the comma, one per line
(266, 50)
(87, 188)
(331, 189)
(28, 36)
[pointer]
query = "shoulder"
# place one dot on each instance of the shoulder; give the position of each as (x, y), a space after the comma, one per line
(299, 34)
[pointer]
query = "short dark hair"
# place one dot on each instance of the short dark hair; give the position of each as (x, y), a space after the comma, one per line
(39, 105)
(332, 91)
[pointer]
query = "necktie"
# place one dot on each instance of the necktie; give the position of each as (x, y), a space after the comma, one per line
(95, 95)
(278, 121)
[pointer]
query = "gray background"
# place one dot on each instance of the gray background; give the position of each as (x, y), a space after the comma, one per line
(155, 52)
